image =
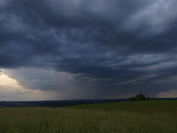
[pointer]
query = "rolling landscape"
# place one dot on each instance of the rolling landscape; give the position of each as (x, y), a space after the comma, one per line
(88, 66)
(151, 116)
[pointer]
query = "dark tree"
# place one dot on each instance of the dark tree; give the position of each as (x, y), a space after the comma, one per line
(139, 97)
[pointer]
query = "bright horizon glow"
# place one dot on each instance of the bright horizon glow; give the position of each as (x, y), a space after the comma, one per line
(6, 81)
(12, 90)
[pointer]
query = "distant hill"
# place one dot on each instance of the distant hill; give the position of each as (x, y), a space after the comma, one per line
(61, 103)
(58, 103)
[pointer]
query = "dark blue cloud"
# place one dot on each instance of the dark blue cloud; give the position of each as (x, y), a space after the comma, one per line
(116, 43)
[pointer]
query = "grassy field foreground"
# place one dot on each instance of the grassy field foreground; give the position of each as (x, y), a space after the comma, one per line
(124, 117)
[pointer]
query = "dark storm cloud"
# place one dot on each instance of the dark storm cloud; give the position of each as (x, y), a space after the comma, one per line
(116, 43)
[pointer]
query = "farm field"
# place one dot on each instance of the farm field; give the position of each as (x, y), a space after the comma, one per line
(125, 117)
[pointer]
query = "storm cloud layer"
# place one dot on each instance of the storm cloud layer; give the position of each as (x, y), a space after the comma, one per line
(108, 47)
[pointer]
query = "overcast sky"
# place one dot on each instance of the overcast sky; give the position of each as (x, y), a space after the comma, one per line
(80, 49)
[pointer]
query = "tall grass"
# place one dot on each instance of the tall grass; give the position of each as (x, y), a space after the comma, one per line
(126, 117)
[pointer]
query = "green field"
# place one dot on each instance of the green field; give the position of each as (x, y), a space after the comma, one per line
(125, 117)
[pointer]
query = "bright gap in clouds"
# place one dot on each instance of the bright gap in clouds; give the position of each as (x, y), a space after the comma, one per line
(13, 90)
(6, 81)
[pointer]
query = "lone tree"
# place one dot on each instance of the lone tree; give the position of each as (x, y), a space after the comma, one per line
(138, 97)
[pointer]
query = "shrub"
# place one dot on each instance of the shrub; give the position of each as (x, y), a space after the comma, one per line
(139, 97)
